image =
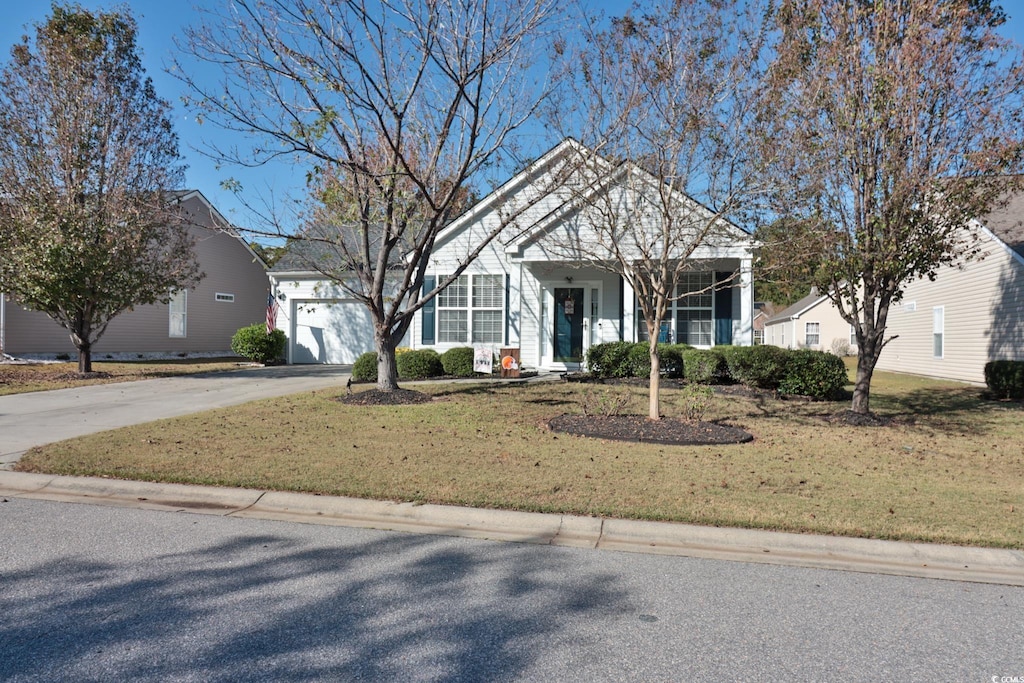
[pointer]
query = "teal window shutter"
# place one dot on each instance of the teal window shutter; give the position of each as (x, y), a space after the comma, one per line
(723, 310)
(427, 337)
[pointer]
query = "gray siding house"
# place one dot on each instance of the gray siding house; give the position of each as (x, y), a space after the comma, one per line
(232, 294)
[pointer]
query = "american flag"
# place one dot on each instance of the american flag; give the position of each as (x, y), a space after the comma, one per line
(271, 313)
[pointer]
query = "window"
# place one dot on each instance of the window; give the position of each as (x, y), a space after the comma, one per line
(472, 303)
(178, 308)
(227, 298)
(691, 312)
(812, 334)
(938, 329)
(758, 337)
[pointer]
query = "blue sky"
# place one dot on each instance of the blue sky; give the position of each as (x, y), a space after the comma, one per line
(159, 23)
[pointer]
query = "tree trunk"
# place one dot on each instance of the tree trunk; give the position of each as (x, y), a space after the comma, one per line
(387, 368)
(867, 356)
(654, 409)
(84, 358)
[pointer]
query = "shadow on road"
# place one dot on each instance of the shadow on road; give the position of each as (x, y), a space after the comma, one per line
(266, 608)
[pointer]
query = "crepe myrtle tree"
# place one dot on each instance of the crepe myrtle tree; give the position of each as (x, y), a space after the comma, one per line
(900, 120)
(89, 227)
(397, 109)
(663, 100)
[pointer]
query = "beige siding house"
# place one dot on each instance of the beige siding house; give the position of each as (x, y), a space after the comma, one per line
(811, 323)
(972, 313)
(232, 294)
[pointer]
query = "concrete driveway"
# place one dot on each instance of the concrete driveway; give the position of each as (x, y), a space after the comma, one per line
(34, 419)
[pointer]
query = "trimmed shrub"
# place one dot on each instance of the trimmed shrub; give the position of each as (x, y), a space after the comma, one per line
(458, 361)
(638, 361)
(757, 366)
(365, 367)
(608, 359)
(705, 366)
(254, 343)
(816, 374)
(419, 364)
(671, 356)
(1005, 378)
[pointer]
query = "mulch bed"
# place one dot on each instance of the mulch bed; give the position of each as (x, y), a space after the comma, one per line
(376, 397)
(641, 429)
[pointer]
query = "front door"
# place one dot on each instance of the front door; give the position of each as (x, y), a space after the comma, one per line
(567, 337)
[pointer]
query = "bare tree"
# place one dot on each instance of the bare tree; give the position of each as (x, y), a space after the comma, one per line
(88, 225)
(900, 118)
(663, 101)
(395, 107)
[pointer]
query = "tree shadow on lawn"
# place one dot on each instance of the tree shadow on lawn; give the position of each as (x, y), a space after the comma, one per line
(262, 607)
(947, 410)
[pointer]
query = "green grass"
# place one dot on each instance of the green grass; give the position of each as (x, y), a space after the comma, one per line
(950, 469)
(20, 379)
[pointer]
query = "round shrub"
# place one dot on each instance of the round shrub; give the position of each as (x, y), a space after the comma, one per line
(705, 366)
(419, 364)
(608, 359)
(1005, 378)
(671, 356)
(816, 374)
(365, 367)
(254, 343)
(757, 366)
(458, 361)
(638, 361)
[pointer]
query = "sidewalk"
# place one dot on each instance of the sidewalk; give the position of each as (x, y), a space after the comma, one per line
(982, 565)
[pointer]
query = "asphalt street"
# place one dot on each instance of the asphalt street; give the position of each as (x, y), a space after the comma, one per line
(89, 592)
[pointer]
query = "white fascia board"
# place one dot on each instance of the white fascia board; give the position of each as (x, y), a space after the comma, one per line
(500, 193)
(978, 225)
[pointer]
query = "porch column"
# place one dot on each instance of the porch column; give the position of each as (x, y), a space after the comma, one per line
(628, 311)
(744, 335)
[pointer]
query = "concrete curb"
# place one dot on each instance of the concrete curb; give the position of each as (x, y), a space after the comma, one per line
(981, 565)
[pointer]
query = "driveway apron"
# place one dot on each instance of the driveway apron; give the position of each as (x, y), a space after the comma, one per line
(38, 418)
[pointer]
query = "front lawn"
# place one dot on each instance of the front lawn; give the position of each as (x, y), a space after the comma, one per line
(17, 378)
(949, 469)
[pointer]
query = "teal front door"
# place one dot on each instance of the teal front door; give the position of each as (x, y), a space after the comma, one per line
(568, 325)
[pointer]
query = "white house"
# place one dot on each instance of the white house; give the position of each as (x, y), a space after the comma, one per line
(525, 290)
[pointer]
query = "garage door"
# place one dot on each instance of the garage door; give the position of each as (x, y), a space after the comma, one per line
(334, 332)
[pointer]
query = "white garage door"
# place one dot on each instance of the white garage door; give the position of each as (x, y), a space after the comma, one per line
(334, 332)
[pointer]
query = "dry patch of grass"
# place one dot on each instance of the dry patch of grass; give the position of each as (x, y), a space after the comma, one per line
(23, 378)
(949, 469)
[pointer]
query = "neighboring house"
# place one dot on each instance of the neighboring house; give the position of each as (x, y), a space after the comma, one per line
(972, 313)
(232, 294)
(519, 294)
(811, 323)
(763, 311)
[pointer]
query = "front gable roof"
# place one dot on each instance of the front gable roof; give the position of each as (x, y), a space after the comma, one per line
(562, 202)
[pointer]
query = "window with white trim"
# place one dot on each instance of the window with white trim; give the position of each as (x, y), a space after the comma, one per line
(690, 314)
(226, 298)
(178, 307)
(938, 330)
(812, 334)
(471, 310)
